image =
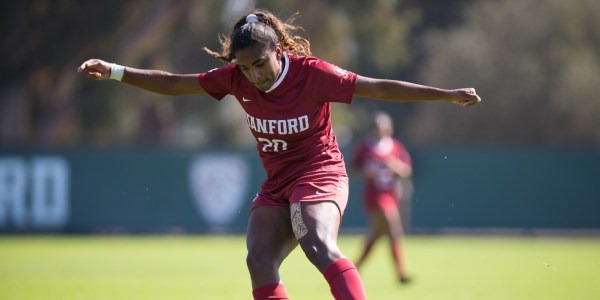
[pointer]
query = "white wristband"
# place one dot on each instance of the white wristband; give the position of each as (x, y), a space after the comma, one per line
(116, 72)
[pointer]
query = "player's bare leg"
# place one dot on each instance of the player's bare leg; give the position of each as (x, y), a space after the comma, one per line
(396, 239)
(316, 226)
(269, 240)
(378, 228)
(319, 238)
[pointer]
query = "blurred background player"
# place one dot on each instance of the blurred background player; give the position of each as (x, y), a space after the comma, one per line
(386, 166)
(286, 95)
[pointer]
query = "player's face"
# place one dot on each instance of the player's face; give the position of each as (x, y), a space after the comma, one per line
(260, 65)
(382, 127)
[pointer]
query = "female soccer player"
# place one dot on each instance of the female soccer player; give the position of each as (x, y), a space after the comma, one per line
(286, 95)
(384, 161)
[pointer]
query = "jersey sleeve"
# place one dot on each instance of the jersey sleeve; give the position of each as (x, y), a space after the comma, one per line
(403, 154)
(218, 82)
(332, 83)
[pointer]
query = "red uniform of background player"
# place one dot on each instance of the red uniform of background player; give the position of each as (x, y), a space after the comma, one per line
(384, 161)
(286, 96)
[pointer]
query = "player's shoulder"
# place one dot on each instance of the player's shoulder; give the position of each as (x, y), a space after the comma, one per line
(398, 144)
(224, 68)
(231, 71)
(300, 59)
(304, 61)
(316, 66)
(367, 144)
(226, 71)
(401, 148)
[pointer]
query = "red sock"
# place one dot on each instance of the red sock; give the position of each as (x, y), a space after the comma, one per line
(344, 280)
(270, 291)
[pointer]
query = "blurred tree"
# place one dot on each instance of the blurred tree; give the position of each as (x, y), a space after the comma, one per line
(45, 103)
(38, 80)
(536, 64)
(537, 76)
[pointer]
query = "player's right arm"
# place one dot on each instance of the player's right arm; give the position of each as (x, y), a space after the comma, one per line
(151, 80)
(398, 167)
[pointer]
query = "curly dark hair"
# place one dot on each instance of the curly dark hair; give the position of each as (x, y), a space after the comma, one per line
(267, 32)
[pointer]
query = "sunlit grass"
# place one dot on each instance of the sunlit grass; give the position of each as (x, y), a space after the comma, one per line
(213, 267)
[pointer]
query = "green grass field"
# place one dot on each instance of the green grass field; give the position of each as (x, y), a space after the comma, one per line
(213, 267)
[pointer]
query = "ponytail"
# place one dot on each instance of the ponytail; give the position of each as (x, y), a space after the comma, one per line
(261, 28)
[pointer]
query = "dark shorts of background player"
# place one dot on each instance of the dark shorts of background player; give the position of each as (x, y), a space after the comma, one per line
(310, 188)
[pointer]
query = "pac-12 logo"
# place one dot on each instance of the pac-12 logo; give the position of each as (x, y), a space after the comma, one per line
(219, 183)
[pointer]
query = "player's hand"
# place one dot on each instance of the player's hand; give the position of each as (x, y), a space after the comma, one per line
(95, 69)
(465, 97)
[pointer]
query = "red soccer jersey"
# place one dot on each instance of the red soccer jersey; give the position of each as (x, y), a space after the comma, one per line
(292, 121)
(381, 190)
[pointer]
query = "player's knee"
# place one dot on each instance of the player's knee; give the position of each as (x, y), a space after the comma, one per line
(259, 260)
(320, 253)
(314, 250)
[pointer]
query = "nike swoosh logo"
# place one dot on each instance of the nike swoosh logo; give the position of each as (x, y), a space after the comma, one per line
(246, 100)
(320, 193)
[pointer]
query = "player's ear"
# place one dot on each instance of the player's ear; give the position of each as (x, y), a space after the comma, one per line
(279, 51)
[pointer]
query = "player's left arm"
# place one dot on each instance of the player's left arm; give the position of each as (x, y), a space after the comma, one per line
(402, 91)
